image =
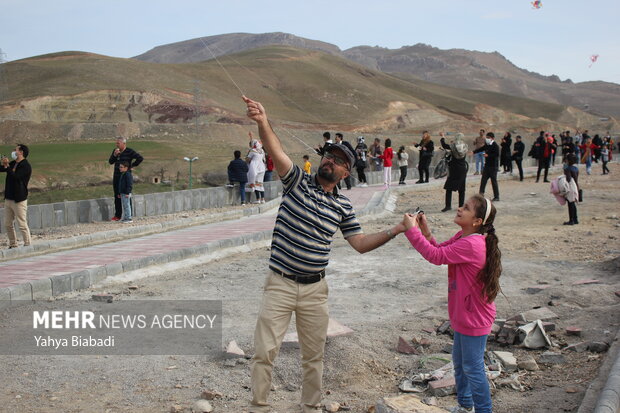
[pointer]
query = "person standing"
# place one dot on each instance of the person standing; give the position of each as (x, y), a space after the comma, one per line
(491, 158)
(457, 170)
(546, 149)
(598, 142)
(587, 151)
(308, 217)
(479, 157)
(339, 141)
(605, 158)
(361, 150)
(18, 172)
(427, 147)
(327, 140)
(517, 155)
(505, 157)
(571, 171)
(387, 156)
(125, 187)
(474, 268)
(403, 164)
(268, 168)
(307, 164)
(577, 141)
(256, 169)
(375, 154)
(121, 154)
(238, 172)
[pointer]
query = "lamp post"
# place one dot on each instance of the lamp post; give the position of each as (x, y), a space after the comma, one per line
(195, 158)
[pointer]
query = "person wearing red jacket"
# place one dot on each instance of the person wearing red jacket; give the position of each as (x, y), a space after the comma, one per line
(587, 152)
(387, 156)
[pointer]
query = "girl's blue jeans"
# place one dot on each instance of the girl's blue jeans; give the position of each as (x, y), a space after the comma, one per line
(472, 386)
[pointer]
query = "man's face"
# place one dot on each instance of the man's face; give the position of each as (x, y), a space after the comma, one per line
(481, 132)
(120, 144)
(334, 166)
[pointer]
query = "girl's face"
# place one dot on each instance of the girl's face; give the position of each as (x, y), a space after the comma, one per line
(466, 215)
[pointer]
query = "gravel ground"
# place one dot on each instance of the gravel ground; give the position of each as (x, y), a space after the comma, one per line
(381, 295)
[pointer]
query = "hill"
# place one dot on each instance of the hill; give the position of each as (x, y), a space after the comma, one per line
(454, 67)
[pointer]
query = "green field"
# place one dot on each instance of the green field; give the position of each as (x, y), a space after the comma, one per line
(80, 170)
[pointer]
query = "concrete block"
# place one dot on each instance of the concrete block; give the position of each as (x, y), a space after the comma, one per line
(80, 280)
(150, 205)
(96, 210)
(131, 265)
(84, 211)
(97, 274)
(543, 313)
(187, 200)
(47, 215)
(2, 228)
(507, 359)
(5, 298)
(59, 214)
(21, 292)
(113, 269)
(549, 357)
(160, 204)
(72, 212)
(177, 196)
(34, 217)
(60, 284)
(41, 289)
(41, 246)
(138, 206)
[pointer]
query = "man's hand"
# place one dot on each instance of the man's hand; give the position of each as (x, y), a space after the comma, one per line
(5, 162)
(410, 221)
(256, 111)
(117, 152)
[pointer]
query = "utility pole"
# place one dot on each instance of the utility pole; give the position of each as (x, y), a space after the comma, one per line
(196, 103)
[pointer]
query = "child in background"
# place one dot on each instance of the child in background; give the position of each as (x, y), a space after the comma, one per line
(605, 158)
(307, 164)
(388, 154)
(474, 268)
(125, 186)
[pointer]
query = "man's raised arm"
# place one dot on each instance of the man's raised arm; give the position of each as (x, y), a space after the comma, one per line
(268, 137)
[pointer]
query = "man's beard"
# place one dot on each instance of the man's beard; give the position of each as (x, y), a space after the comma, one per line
(330, 177)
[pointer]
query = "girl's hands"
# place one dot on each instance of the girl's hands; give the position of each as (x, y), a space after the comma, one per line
(423, 225)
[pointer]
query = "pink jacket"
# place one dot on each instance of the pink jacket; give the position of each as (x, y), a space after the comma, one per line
(469, 312)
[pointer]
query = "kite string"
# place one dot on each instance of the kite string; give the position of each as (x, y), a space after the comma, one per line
(242, 93)
(223, 68)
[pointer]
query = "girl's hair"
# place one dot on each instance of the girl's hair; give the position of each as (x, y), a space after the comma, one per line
(426, 136)
(388, 143)
(400, 151)
(489, 275)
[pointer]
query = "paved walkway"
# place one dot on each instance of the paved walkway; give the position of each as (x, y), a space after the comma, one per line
(25, 270)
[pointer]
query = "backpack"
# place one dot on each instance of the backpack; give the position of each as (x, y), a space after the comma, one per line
(458, 149)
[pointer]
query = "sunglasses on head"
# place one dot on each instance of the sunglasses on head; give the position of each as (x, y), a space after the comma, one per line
(335, 159)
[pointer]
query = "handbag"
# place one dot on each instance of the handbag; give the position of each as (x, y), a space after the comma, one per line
(581, 195)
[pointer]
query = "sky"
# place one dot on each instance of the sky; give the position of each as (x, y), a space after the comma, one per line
(559, 38)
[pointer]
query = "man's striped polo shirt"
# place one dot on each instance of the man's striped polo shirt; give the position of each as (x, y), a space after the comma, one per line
(307, 220)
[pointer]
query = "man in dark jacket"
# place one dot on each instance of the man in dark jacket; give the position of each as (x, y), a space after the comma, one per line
(121, 154)
(546, 149)
(517, 155)
(238, 172)
(491, 161)
(18, 174)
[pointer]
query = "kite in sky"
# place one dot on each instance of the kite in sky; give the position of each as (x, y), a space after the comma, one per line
(537, 4)
(593, 59)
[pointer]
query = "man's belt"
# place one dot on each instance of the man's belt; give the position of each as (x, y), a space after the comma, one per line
(301, 279)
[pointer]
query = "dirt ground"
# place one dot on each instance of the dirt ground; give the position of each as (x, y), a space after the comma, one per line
(381, 295)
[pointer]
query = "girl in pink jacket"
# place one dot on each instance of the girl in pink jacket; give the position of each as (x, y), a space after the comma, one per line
(474, 268)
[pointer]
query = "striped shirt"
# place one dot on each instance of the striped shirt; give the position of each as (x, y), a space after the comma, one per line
(307, 220)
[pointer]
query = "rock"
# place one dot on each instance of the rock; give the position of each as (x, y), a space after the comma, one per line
(507, 359)
(211, 395)
(577, 347)
(549, 357)
(598, 347)
(537, 289)
(404, 347)
(102, 298)
(431, 401)
(176, 409)
(542, 313)
(572, 389)
(447, 348)
(202, 406)
(528, 363)
(133, 287)
(332, 407)
(443, 387)
(617, 294)
(233, 350)
(573, 331)
(230, 363)
(548, 326)
(444, 328)
(406, 403)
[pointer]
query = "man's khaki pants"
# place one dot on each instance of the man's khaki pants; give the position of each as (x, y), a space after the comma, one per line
(309, 302)
(16, 211)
